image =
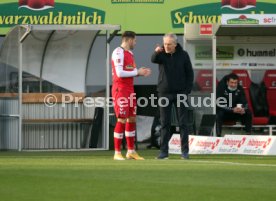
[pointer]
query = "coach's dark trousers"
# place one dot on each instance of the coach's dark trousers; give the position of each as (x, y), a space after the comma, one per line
(165, 118)
(224, 115)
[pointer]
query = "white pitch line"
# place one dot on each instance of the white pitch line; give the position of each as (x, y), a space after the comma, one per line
(233, 163)
(207, 162)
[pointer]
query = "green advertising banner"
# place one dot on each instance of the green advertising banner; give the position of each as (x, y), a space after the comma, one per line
(205, 53)
(141, 16)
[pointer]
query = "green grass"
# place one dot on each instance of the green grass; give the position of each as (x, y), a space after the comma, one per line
(81, 176)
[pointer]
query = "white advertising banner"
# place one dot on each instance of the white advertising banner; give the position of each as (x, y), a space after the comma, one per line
(229, 144)
(204, 144)
(197, 144)
(175, 144)
(255, 145)
(248, 19)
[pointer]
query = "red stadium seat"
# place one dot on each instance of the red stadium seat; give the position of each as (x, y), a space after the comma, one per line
(245, 82)
(270, 83)
(204, 80)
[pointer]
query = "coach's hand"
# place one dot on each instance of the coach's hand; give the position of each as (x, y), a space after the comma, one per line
(158, 49)
(239, 110)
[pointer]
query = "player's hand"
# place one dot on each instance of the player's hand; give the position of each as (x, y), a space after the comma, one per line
(144, 71)
(148, 72)
(158, 48)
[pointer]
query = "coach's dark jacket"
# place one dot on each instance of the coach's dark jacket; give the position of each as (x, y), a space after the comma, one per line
(175, 71)
(238, 96)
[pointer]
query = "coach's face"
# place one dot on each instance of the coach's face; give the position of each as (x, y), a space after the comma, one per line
(169, 45)
(232, 84)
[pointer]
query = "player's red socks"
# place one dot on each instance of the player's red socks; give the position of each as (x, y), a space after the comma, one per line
(130, 135)
(118, 135)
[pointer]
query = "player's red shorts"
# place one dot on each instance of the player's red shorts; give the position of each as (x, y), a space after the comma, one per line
(124, 101)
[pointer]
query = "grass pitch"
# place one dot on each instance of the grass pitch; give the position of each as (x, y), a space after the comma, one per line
(92, 176)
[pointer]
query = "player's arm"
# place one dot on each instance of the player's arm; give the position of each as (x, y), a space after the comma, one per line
(118, 60)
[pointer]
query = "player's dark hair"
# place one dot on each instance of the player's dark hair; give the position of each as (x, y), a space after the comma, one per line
(232, 76)
(128, 34)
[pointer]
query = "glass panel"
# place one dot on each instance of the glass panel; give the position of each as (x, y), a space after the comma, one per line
(9, 88)
(96, 77)
(200, 52)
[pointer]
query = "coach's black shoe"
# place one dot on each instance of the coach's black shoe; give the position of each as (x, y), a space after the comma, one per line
(163, 155)
(185, 156)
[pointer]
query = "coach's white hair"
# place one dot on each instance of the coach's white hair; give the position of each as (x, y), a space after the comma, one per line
(171, 35)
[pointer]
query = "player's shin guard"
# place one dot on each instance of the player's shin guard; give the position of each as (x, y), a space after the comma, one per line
(130, 135)
(118, 136)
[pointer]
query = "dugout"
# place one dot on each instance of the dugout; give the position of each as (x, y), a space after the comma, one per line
(234, 46)
(38, 60)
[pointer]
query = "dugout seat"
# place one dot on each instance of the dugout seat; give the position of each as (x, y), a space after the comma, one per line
(96, 127)
(207, 125)
(204, 80)
(269, 80)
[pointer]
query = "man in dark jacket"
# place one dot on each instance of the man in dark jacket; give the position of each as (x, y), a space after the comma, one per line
(235, 107)
(175, 80)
